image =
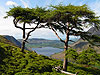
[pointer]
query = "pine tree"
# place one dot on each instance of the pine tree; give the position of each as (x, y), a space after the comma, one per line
(71, 21)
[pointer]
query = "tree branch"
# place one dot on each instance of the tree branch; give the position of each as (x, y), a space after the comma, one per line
(28, 34)
(71, 41)
(15, 23)
(57, 34)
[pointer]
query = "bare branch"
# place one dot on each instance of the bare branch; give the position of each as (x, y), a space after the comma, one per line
(15, 23)
(57, 34)
(28, 34)
(72, 41)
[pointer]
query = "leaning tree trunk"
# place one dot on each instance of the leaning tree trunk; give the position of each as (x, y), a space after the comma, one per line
(23, 42)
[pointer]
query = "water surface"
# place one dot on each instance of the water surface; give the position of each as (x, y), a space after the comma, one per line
(47, 51)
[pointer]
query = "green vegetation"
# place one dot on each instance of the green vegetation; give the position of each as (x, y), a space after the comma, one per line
(44, 43)
(56, 45)
(14, 62)
(38, 42)
(88, 57)
(71, 54)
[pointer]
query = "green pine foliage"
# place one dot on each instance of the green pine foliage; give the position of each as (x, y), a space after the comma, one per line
(71, 54)
(88, 57)
(14, 62)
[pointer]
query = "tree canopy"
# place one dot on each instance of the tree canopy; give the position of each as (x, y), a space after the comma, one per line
(77, 17)
(26, 16)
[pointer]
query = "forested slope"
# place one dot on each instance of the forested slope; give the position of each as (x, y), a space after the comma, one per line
(14, 62)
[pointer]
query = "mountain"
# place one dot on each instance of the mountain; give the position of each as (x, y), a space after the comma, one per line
(6, 41)
(13, 40)
(94, 31)
(82, 44)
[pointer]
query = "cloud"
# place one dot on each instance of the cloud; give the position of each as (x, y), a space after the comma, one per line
(24, 3)
(11, 3)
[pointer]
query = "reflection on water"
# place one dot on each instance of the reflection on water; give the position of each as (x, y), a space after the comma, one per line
(47, 51)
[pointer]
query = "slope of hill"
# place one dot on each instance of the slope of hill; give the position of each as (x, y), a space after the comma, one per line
(82, 44)
(6, 41)
(13, 40)
(94, 31)
(14, 62)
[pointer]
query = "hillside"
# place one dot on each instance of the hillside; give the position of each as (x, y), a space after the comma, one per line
(14, 62)
(6, 41)
(13, 40)
(39, 42)
(83, 44)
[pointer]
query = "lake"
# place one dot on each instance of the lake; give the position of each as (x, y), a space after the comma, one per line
(47, 51)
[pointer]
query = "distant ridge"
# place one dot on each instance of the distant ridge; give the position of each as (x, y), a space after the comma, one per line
(81, 44)
(6, 41)
(41, 42)
(94, 31)
(13, 40)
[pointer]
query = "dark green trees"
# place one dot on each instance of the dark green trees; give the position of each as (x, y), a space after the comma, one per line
(71, 21)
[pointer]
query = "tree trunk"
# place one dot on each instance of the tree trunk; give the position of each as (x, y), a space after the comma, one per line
(65, 62)
(23, 42)
(23, 46)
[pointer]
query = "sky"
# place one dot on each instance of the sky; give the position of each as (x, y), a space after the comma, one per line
(7, 26)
